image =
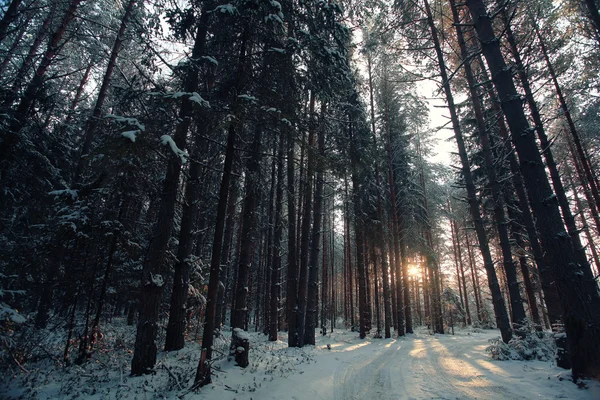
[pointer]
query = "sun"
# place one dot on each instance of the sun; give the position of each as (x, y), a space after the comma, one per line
(413, 270)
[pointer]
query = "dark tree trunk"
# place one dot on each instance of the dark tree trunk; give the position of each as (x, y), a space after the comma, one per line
(144, 355)
(23, 109)
(577, 289)
(225, 271)
(349, 268)
(325, 281)
(382, 239)
(360, 262)
(9, 16)
(497, 300)
(559, 190)
(106, 278)
(397, 266)
(192, 83)
(518, 311)
(542, 262)
(583, 159)
(175, 338)
(249, 230)
(29, 59)
(313, 272)
(376, 291)
(203, 372)
(355, 160)
(306, 223)
(8, 57)
(277, 234)
(292, 273)
(392, 269)
(271, 247)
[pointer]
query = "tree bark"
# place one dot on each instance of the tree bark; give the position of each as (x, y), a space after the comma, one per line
(29, 59)
(277, 234)
(292, 272)
(313, 276)
(577, 289)
(559, 190)
(94, 121)
(518, 311)
(360, 259)
(397, 266)
(583, 160)
(23, 109)
(144, 356)
(305, 232)
(9, 16)
(542, 261)
(497, 300)
(175, 337)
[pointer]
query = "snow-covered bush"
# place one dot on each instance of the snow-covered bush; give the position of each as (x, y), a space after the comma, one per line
(9, 319)
(535, 345)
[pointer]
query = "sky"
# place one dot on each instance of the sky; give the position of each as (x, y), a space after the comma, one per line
(438, 116)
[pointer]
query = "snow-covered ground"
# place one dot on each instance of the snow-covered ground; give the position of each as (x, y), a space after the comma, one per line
(419, 366)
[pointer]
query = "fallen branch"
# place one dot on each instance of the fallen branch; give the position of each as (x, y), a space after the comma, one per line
(172, 375)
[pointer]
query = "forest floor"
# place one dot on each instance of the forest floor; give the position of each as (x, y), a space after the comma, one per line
(339, 367)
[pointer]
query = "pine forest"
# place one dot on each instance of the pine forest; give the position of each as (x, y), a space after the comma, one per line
(295, 199)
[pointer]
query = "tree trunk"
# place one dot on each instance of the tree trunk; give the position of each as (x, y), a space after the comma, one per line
(577, 289)
(29, 59)
(325, 281)
(175, 338)
(559, 190)
(203, 372)
(277, 234)
(9, 16)
(381, 239)
(249, 229)
(397, 266)
(497, 300)
(144, 356)
(225, 271)
(313, 276)
(292, 272)
(360, 259)
(305, 233)
(518, 311)
(94, 121)
(23, 109)
(542, 261)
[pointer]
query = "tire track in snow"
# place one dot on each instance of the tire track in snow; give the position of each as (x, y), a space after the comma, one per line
(442, 368)
(367, 378)
(423, 367)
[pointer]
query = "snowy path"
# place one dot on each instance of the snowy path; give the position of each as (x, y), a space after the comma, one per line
(416, 367)
(443, 367)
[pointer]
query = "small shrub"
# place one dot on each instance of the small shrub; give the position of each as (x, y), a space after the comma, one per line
(534, 345)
